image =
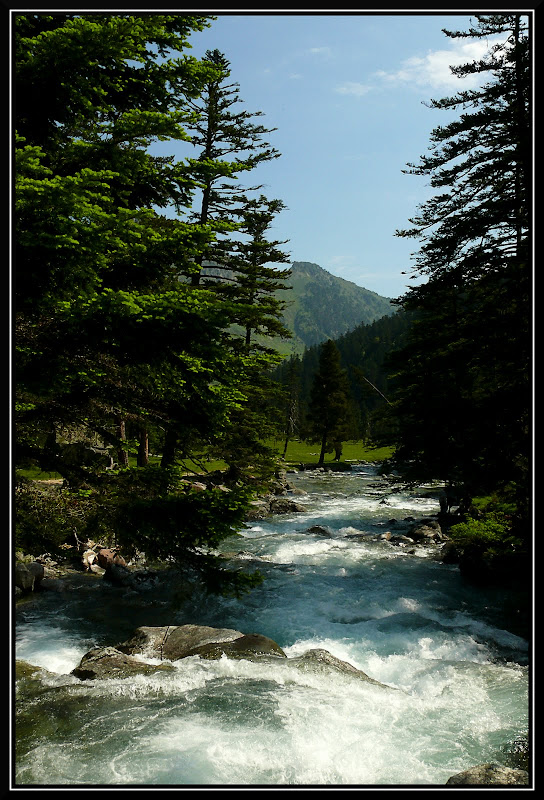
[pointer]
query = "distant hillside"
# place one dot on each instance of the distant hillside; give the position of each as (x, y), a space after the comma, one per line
(321, 306)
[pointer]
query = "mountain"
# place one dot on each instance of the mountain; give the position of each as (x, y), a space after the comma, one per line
(321, 306)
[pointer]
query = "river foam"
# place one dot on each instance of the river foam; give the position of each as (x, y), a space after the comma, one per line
(458, 677)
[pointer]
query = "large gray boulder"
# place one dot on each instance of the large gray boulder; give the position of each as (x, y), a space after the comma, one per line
(109, 662)
(321, 661)
(490, 774)
(283, 505)
(176, 641)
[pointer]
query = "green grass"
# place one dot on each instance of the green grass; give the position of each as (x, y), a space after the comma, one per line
(302, 453)
(37, 474)
(297, 453)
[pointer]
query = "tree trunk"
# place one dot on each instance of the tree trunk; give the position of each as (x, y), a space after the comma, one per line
(169, 449)
(122, 454)
(143, 449)
(323, 450)
(285, 446)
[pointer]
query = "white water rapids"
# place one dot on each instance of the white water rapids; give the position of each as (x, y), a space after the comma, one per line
(459, 675)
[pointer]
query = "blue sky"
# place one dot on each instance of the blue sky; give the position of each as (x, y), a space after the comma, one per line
(346, 93)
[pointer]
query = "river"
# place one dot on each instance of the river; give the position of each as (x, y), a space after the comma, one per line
(455, 659)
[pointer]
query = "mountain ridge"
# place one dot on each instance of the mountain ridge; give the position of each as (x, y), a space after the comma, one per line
(321, 306)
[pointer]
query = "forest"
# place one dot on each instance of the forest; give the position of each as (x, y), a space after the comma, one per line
(131, 363)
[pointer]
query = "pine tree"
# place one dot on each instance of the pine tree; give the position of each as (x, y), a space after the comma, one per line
(291, 399)
(231, 143)
(462, 399)
(253, 283)
(329, 412)
(109, 338)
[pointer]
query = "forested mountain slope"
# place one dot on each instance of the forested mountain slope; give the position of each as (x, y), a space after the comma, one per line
(364, 353)
(322, 306)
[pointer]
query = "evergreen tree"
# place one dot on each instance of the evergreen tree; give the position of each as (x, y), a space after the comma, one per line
(231, 143)
(237, 264)
(462, 399)
(109, 338)
(291, 398)
(252, 283)
(330, 412)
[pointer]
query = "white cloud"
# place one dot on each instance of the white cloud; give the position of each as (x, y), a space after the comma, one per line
(354, 88)
(320, 51)
(433, 69)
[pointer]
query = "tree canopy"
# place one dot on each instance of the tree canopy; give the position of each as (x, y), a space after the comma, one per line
(462, 383)
(111, 332)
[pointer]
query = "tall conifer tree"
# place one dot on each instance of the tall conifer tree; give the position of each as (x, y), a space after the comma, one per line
(462, 400)
(329, 410)
(107, 333)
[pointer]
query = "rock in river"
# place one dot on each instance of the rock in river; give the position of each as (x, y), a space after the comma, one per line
(490, 774)
(109, 662)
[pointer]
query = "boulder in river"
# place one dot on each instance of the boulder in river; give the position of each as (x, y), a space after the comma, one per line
(176, 641)
(109, 662)
(107, 556)
(320, 660)
(320, 529)
(490, 774)
(172, 643)
(282, 505)
(427, 529)
(250, 646)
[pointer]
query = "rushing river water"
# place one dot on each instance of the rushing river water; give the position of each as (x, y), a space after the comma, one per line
(460, 676)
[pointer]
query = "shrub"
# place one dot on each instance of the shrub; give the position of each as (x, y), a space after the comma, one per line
(49, 519)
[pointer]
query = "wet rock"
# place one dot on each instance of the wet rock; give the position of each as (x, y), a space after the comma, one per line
(175, 641)
(250, 646)
(321, 661)
(258, 509)
(53, 585)
(401, 539)
(25, 670)
(449, 553)
(109, 662)
(490, 774)
(320, 529)
(107, 557)
(118, 574)
(28, 576)
(88, 558)
(427, 529)
(282, 505)
(295, 490)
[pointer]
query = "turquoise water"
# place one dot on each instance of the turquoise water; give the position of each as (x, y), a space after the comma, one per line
(459, 673)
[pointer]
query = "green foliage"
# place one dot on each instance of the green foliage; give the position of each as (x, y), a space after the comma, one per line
(364, 353)
(330, 418)
(49, 520)
(155, 510)
(114, 337)
(489, 532)
(461, 385)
